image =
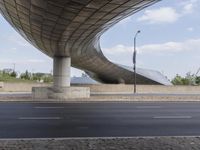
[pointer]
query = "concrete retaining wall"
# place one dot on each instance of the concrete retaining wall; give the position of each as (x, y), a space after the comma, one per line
(60, 93)
(109, 88)
(21, 87)
(140, 143)
(121, 88)
(1, 85)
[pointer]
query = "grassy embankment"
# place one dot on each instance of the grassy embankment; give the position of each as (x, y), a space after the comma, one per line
(15, 80)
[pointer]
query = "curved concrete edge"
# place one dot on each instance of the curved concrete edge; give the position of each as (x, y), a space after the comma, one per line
(73, 35)
(112, 143)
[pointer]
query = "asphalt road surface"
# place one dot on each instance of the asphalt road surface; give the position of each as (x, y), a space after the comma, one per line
(106, 119)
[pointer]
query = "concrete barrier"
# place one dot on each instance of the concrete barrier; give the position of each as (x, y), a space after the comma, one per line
(109, 88)
(122, 88)
(61, 93)
(22, 87)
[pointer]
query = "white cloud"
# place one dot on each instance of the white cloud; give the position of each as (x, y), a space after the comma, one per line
(161, 15)
(169, 14)
(118, 49)
(26, 61)
(165, 47)
(14, 49)
(190, 29)
(35, 61)
(168, 47)
(188, 6)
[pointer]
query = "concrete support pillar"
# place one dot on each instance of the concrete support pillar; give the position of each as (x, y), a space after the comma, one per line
(61, 71)
(61, 89)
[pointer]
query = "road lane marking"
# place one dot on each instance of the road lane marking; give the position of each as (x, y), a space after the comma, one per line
(172, 117)
(40, 107)
(39, 118)
(148, 107)
(82, 128)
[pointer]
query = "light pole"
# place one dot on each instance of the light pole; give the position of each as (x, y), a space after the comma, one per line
(134, 60)
(13, 67)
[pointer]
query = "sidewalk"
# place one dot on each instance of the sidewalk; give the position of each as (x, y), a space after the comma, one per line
(123, 143)
(160, 97)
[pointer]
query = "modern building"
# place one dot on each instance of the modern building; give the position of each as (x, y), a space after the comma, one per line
(83, 80)
(69, 32)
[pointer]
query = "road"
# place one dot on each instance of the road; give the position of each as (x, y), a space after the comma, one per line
(108, 119)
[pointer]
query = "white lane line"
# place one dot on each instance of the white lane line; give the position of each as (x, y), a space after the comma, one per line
(83, 128)
(172, 117)
(148, 107)
(39, 118)
(40, 107)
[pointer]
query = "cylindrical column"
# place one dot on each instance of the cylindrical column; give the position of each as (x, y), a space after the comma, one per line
(61, 71)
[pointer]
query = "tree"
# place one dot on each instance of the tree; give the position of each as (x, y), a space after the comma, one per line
(197, 79)
(178, 80)
(13, 74)
(48, 79)
(26, 75)
(37, 76)
(189, 79)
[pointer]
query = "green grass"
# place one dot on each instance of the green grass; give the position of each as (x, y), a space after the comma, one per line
(15, 80)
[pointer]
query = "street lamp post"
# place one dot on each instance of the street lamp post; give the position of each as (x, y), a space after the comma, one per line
(134, 60)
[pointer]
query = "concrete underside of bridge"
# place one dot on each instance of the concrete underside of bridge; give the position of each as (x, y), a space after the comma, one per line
(69, 31)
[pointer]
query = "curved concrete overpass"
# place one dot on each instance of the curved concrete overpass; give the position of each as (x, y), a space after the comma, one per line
(69, 32)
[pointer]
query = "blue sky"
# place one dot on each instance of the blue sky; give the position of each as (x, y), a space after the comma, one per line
(169, 41)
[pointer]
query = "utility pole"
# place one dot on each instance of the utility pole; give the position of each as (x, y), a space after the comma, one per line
(13, 67)
(134, 60)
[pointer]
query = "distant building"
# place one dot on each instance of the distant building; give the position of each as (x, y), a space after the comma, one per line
(84, 79)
